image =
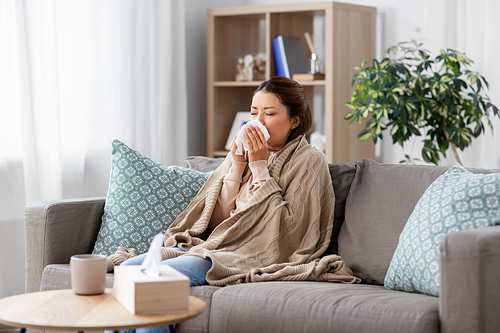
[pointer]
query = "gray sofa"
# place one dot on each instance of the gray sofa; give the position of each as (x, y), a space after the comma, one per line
(373, 203)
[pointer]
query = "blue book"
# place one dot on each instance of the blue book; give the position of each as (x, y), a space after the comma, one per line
(278, 58)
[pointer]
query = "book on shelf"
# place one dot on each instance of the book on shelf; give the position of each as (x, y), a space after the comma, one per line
(289, 56)
(308, 76)
(277, 57)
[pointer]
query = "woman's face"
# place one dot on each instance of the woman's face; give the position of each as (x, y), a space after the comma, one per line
(267, 108)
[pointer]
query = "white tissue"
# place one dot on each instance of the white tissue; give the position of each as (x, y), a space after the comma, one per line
(153, 257)
(241, 145)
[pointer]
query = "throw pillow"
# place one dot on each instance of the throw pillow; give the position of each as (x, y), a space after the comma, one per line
(203, 163)
(457, 200)
(144, 197)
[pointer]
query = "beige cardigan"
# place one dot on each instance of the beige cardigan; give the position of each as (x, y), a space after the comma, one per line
(279, 234)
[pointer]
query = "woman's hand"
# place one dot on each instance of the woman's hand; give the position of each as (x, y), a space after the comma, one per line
(257, 144)
(232, 149)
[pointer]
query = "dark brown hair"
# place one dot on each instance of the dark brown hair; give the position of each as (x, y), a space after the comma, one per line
(291, 95)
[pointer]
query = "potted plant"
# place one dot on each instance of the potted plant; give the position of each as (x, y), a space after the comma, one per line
(411, 92)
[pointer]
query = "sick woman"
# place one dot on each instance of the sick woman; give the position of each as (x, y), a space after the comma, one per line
(264, 215)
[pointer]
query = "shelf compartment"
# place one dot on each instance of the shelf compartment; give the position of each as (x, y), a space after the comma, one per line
(237, 35)
(295, 24)
(229, 101)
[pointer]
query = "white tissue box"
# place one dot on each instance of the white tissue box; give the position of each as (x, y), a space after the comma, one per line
(142, 294)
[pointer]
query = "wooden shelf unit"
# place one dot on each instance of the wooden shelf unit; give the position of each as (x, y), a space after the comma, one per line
(348, 37)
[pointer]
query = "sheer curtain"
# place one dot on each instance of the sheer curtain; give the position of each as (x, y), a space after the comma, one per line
(472, 26)
(468, 26)
(74, 75)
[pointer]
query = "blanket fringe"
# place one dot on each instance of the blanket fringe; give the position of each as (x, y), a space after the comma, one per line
(118, 257)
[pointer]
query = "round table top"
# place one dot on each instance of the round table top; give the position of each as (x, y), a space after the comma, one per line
(64, 310)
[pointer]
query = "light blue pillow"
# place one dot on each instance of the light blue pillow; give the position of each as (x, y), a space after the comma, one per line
(144, 198)
(457, 200)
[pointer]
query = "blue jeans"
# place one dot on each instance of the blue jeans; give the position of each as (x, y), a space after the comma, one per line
(195, 268)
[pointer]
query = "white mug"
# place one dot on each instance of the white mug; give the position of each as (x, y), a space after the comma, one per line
(88, 274)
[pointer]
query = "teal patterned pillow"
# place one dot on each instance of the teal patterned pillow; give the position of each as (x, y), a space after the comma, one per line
(144, 198)
(457, 200)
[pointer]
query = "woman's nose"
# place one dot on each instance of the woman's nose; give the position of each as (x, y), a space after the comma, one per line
(260, 118)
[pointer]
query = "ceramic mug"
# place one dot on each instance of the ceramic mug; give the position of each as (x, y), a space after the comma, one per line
(88, 274)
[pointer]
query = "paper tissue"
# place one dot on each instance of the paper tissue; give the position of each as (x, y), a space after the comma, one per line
(151, 288)
(241, 145)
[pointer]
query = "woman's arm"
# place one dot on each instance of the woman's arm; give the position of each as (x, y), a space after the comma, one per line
(226, 201)
(227, 198)
(260, 173)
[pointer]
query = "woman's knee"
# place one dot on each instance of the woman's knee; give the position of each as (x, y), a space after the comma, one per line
(195, 268)
(137, 260)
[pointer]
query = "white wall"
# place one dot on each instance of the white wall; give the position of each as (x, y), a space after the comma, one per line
(196, 63)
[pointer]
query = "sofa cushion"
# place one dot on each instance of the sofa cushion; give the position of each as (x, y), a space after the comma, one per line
(203, 163)
(458, 200)
(380, 201)
(10, 329)
(55, 277)
(342, 175)
(320, 307)
(200, 323)
(144, 198)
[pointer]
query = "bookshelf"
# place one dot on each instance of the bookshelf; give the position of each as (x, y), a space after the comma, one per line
(343, 34)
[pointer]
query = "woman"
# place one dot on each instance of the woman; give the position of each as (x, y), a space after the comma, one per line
(265, 215)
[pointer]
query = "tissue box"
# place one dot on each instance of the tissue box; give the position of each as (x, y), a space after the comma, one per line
(142, 294)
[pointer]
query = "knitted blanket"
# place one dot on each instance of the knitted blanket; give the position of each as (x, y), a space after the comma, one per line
(279, 234)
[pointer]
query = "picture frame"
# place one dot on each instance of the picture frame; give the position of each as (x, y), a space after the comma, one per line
(240, 119)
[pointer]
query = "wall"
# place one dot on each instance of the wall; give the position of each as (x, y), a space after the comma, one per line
(196, 63)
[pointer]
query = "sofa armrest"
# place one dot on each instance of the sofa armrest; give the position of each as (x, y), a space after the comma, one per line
(470, 293)
(56, 230)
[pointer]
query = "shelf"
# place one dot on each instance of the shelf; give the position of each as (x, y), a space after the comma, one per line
(227, 84)
(221, 153)
(312, 83)
(237, 83)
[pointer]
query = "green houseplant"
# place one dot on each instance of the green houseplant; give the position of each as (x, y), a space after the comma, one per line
(411, 92)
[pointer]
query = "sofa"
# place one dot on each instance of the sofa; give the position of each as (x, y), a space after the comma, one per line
(373, 203)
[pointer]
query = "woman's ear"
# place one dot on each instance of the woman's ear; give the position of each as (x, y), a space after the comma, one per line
(295, 122)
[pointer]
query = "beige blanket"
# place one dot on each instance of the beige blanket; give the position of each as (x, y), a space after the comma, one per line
(280, 234)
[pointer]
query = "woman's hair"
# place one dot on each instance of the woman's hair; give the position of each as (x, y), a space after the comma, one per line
(291, 95)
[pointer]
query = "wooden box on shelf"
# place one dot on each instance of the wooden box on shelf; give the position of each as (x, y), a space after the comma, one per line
(308, 77)
(343, 33)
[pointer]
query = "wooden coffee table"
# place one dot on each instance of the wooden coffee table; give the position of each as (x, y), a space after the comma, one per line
(63, 310)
